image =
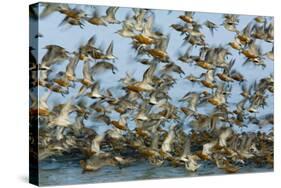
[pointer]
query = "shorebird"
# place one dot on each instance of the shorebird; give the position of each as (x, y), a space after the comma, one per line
(230, 22)
(240, 113)
(183, 28)
(211, 26)
(159, 52)
(71, 67)
(109, 52)
(126, 31)
(224, 135)
(146, 83)
(96, 162)
(139, 19)
(252, 51)
(172, 67)
(264, 120)
(220, 96)
(110, 15)
(101, 66)
(40, 106)
(222, 163)
(158, 97)
(204, 62)
(147, 36)
(95, 144)
(209, 80)
(166, 145)
(186, 57)
(55, 54)
(95, 91)
(234, 74)
(192, 78)
(62, 118)
(245, 35)
(62, 80)
(189, 159)
(122, 123)
(260, 19)
(258, 32)
(187, 17)
(194, 99)
(73, 16)
(225, 75)
(87, 80)
(49, 9)
(236, 44)
(96, 19)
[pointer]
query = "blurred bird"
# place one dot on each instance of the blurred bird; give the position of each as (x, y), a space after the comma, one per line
(187, 17)
(55, 54)
(211, 26)
(110, 15)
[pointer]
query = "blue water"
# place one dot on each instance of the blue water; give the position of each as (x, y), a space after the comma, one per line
(70, 172)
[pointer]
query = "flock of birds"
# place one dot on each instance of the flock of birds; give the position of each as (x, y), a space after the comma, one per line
(150, 126)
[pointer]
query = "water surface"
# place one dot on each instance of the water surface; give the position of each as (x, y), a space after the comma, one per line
(70, 172)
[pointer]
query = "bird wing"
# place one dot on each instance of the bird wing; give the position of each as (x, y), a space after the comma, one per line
(86, 71)
(109, 50)
(71, 66)
(148, 74)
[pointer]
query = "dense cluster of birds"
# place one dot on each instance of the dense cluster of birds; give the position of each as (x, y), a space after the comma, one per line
(149, 125)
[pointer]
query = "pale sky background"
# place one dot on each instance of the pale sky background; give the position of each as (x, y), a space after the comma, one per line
(71, 37)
